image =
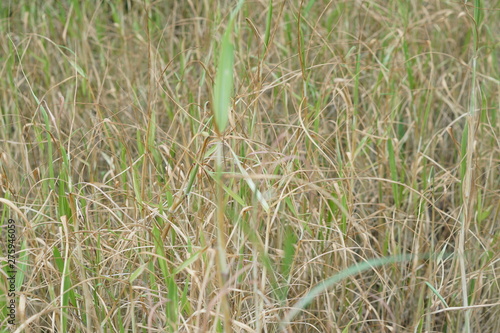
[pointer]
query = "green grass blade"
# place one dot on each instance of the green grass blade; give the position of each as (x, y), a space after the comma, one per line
(137, 272)
(437, 293)
(223, 84)
(188, 261)
(463, 155)
(326, 284)
(394, 171)
(268, 24)
(224, 79)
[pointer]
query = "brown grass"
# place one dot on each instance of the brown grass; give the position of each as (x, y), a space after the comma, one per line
(350, 123)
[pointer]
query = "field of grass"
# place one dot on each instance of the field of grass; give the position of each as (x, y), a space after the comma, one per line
(252, 166)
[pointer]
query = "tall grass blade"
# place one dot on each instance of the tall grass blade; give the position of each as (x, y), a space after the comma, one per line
(268, 24)
(328, 283)
(394, 172)
(436, 293)
(224, 79)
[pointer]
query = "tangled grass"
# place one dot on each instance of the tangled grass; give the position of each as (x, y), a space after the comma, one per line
(353, 188)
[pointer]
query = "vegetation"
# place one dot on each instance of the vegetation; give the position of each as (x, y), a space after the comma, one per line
(252, 166)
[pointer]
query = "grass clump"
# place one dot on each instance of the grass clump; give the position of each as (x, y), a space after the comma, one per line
(257, 166)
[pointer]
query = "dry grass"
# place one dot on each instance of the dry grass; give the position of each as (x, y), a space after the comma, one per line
(348, 117)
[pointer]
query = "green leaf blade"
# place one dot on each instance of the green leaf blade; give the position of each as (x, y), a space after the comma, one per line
(224, 83)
